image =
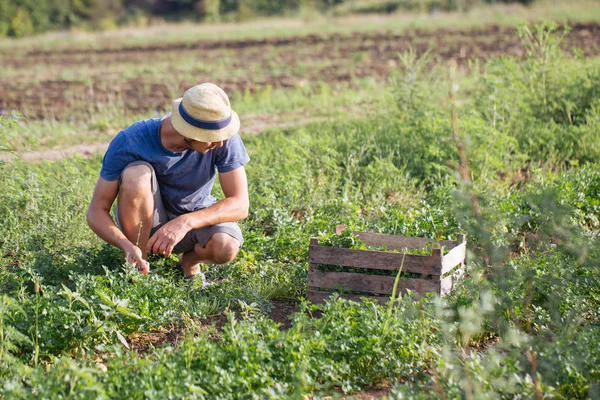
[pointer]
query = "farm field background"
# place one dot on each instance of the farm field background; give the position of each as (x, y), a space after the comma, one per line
(96, 83)
(458, 124)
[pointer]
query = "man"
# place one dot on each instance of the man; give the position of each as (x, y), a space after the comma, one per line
(162, 172)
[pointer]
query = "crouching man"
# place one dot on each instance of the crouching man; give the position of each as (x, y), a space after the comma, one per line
(161, 171)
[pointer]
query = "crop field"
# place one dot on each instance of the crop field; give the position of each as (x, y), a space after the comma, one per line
(488, 130)
(67, 82)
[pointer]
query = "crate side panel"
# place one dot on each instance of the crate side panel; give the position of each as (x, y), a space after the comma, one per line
(368, 283)
(394, 242)
(426, 265)
(313, 272)
(446, 286)
(448, 283)
(454, 257)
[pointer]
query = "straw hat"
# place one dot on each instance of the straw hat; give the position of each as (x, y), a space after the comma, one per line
(204, 114)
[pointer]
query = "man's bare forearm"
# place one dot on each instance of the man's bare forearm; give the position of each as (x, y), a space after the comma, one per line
(230, 209)
(103, 225)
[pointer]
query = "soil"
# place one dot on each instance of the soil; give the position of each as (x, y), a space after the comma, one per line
(143, 342)
(282, 311)
(278, 62)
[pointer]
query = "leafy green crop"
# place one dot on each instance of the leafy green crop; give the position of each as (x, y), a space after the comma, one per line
(346, 239)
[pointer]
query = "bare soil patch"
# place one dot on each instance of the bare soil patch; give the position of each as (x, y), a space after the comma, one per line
(282, 310)
(143, 342)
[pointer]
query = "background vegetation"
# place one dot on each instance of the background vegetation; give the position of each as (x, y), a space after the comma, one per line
(25, 17)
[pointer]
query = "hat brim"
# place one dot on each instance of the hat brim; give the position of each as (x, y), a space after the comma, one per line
(203, 135)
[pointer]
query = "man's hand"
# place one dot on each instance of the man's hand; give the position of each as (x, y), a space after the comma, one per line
(167, 236)
(134, 257)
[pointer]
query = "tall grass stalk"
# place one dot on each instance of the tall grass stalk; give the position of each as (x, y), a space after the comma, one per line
(395, 297)
(36, 339)
(3, 339)
(137, 241)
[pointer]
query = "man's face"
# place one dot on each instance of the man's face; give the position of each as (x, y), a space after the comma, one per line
(202, 147)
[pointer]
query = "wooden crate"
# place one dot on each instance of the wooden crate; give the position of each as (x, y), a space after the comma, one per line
(433, 267)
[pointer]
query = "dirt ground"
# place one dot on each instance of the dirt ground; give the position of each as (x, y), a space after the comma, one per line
(278, 62)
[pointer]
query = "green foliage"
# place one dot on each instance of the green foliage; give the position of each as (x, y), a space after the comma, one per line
(7, 124)
(525, 2)
(21, 24)
(548, 103)
(345, 240)
(272, 7)
(411, 82)
(348, 347)
(101, 14)
(25, 17)
(11, 339)
(211, 10)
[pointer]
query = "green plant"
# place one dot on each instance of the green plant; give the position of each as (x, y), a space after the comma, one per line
(11, 339)
(7, 124)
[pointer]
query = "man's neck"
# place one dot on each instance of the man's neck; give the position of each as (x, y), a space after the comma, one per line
(170, 138)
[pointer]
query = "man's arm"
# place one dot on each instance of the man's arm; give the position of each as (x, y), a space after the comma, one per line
(99, 219)
(234, 207)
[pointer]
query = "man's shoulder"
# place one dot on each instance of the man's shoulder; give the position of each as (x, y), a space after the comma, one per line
(139, 131)
(131, 137)
(141, 127)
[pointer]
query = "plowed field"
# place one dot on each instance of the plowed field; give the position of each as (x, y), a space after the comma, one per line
(63, 83)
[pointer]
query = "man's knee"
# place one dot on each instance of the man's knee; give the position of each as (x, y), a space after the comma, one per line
(224, 248)
(137, 178)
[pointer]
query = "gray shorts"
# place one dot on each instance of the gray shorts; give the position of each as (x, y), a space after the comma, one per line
(196, 236)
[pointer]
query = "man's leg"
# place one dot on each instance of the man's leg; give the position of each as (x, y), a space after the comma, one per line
(135, 205)
(221, 248)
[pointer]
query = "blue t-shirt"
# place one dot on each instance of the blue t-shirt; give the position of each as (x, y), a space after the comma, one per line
(185, 179)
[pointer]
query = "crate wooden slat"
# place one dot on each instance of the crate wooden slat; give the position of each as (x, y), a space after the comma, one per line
(355, 285)
(377, 284)
(429, 265)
